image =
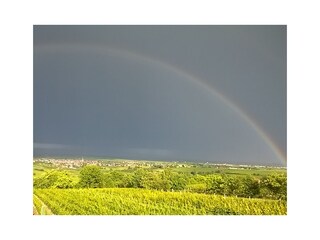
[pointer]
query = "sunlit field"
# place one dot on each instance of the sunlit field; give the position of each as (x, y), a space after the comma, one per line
(151, 202)
(128, 187)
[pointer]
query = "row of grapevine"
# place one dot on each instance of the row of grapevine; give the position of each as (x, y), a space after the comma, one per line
(113, 201)
(37, 204)
(40, 207)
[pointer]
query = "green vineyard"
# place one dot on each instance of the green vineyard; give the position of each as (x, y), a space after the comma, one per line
(117, 201)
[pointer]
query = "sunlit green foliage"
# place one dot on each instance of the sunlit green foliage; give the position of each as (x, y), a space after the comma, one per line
(114, 201)
(54, 179)
(146, 191)
(91, 177)
(273, 186)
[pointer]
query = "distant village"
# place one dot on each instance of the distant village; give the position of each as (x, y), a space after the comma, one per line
(80, 162)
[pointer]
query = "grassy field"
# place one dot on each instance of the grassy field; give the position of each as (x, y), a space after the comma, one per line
(121, 201)
(229, 171)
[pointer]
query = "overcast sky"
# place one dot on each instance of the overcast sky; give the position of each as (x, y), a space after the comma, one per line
(194, 93)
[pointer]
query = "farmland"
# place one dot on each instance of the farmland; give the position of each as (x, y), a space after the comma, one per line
(128, 187)
(150, 202)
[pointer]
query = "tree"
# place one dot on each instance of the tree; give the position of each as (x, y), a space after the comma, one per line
(155, 180)
(137, 178)
(64, 180)
(117, 179)
(178, 181)
(91, 177)
(54, 179)
(232, 186)
(166, 180)
(275, 186)
(216, 184)
(250, 187)
(151, 181)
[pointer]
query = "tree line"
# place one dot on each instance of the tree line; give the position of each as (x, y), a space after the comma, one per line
(273, 186)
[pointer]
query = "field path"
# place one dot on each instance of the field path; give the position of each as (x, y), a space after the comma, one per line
(35, 212)
(45, 210)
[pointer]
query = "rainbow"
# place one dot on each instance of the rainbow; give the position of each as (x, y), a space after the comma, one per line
(133, 56)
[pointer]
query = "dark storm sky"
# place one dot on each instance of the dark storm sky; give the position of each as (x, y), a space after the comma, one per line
(117, 91)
